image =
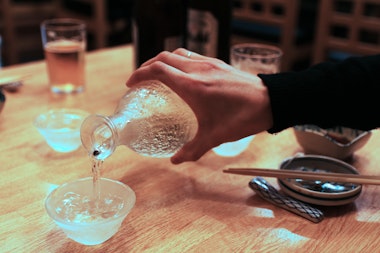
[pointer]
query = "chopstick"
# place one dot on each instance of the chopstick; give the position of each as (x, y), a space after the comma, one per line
(333, 177)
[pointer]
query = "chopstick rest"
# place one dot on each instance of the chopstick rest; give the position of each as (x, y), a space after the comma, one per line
(269, 193)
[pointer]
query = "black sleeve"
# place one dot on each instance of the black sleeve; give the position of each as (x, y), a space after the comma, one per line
(327, 95)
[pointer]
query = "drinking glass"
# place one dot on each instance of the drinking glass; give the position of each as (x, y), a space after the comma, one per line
(61, 128)
(64, 43)
(256, 59)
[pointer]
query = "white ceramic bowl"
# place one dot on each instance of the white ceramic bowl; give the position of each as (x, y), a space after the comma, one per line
(338, 142)
(319, 192)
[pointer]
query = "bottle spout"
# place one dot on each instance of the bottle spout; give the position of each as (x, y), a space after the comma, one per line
(98, 136)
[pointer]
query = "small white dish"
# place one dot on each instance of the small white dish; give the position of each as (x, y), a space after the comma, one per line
(337, 142)
(319, 192)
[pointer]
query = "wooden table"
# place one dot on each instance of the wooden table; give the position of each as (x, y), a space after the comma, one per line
(192, 207)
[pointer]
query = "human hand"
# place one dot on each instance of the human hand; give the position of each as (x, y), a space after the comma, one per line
(229, 104)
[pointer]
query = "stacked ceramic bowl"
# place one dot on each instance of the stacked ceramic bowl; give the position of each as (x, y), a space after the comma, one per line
(338, 142)
(319, 192)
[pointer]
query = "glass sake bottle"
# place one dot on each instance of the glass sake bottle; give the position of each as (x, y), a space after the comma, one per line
(150, 119)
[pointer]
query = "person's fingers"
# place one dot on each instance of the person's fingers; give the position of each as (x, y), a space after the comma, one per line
(189, 54)
(165, 57)
(174, 60)
(180, 58)
(164, 73)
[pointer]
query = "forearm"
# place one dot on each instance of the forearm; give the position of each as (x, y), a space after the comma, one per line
(327, 95)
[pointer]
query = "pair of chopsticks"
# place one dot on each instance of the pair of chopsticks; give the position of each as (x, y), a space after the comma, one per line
(332, 177)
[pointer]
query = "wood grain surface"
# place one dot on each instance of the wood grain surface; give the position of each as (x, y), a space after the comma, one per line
(192, 207)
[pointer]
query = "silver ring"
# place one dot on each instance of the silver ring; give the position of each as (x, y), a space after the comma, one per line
(188, 55)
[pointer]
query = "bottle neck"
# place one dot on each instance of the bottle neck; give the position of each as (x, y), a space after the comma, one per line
(99, 136)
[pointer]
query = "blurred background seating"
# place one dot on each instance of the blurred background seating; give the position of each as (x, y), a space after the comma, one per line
(288, 24)
(108, 23)
(347, 28)
(19, 27)
(308, 31)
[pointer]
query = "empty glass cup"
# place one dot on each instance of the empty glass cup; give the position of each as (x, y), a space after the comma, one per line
(61, 128)
(256, 58)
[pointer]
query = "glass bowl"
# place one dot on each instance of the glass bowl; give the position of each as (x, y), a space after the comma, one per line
(84, 219)
(61, 128)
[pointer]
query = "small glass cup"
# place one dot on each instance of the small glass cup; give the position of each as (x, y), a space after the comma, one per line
(61, 128)
(73, 208)
(64, 43)
(256, 59)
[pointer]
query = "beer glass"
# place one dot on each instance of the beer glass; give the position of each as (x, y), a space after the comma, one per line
(64, 43)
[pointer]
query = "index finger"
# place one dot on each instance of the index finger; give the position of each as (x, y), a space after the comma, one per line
(159, 71)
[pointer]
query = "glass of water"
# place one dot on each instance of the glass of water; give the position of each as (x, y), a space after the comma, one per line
(256, 59)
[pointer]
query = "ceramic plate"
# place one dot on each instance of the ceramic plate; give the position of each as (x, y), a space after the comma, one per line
(319, 192)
